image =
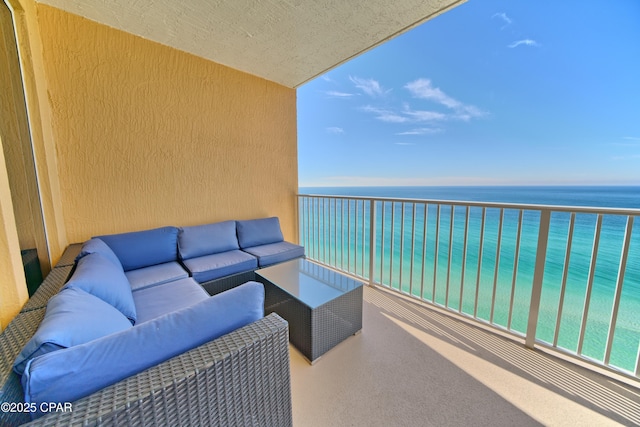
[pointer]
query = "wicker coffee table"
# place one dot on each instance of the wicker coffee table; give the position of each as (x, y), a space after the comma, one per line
(323, 307)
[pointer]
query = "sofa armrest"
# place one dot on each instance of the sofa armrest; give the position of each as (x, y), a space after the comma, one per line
(241, 378)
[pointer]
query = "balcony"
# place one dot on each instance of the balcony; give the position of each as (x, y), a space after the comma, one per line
(513, 352)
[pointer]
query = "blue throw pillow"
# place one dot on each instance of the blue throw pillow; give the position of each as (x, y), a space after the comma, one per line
(140, 249)
(73, 317)
(70, 374)
(207, 239)
(96, 245)
(256, 232)
(98, 276)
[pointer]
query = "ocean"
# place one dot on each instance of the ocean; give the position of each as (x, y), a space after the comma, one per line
(456, 277)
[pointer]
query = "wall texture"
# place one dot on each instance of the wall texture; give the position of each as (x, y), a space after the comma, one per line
(148, 136)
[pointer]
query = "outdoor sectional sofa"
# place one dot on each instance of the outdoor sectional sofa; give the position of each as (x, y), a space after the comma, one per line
(125, 333)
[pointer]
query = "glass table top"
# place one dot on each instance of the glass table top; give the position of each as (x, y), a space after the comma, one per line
(310, 283)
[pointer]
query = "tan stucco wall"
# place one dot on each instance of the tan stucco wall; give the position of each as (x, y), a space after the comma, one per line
(148, 136)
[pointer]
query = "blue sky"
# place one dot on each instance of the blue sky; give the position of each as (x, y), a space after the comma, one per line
(490, 93)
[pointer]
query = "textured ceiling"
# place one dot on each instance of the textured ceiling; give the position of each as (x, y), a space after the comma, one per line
(285, 41)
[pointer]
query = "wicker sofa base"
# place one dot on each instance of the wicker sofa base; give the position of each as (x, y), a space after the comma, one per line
(239, 379)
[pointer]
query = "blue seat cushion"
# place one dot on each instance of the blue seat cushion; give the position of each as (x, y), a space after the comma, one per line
(73, 317)
(274, 253)
(96, 245)
(256, 232)
(144, 248)
(214, 266)
(70, 374)
(155, 275)
(156, 301)
(98, 276)
(207, 239)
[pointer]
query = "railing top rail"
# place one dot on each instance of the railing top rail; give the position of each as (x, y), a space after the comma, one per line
(532, 207)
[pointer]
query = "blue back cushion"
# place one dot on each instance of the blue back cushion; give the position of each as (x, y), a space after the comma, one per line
(256, 232)
(144, 248)
(69, 374)
(96, 245)
(98, 276)
(207, 239)
(73, 317)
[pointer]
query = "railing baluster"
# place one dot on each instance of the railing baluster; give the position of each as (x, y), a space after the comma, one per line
(355, 238)
(435, 255)
(324, 231)
(306, 222)
(538, 274)
(592, 270)
(464, 256)
(349, 236)
(480, 250)
(565, 275)
(515, 268)
(372, 239)
(424, 249)
(446, 295)
(393, 232)
(382, 245)
(618, 292)
(342, 233)
(413, 246)
(497, 266)
(363, 237)
(329, 231)
(401, 245)
(316, 226)
(335, 232)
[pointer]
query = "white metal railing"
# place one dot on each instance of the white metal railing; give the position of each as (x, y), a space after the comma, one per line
(561, 277)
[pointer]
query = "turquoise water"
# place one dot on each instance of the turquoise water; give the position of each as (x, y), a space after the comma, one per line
(457, 278)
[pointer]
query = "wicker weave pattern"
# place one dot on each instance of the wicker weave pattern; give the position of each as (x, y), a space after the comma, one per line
(49, 287)
(240, 379)
(69, 255)
(12, 340)
(335, 321)
(315, 331)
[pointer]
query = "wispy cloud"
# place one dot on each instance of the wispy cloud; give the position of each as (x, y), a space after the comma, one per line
(405, 143)
(385, 115)
(525, 42)
(424, 89)
(326, 78)
(335, 130)
(632, 138)
(424, 116)
(337, 94)
(370, 87)
(421, 131)
(502, 16)
(405, 115)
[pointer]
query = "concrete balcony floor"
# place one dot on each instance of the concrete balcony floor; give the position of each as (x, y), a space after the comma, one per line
(413, 365)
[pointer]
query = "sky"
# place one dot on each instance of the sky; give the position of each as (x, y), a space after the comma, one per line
(493, 92)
